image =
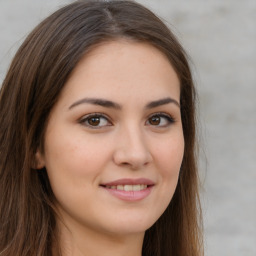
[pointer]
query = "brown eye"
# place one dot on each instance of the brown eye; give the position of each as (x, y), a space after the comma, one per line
(155, 120)
(160, 120)
(94, 121)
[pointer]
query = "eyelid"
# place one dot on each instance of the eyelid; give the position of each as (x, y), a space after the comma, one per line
(85, 118)
(95, 114)
(169, 117)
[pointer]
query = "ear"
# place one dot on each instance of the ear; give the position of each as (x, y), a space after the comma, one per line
(39, 161)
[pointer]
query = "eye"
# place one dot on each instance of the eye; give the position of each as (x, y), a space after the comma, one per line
(95, 121)
(160, 120)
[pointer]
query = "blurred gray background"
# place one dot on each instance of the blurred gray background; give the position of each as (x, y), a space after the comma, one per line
(220, 37)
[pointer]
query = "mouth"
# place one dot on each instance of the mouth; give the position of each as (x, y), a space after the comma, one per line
(129, 189)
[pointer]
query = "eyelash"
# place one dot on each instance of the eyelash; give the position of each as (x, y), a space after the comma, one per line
(170, 120)
(85, 120)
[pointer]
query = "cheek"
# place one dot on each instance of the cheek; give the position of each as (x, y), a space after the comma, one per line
(74, 164)
(169, 155)
(75, 155)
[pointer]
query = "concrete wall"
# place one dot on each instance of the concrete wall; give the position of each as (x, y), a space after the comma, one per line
(220, 37)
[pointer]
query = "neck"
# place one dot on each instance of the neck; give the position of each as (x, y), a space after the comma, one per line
(86, 242)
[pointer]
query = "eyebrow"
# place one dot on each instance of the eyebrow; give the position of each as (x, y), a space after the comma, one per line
(161, 102)
(111, 104)
(99, 102)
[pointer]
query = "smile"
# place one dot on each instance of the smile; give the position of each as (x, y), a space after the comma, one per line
(138, 187)
(129, 189)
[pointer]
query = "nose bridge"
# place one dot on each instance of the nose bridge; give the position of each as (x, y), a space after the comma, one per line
(135, 139)
(132, 148)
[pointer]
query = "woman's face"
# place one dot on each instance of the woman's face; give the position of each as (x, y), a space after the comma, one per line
(114, 141)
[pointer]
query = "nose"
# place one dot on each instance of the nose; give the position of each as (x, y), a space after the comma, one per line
(132, 150)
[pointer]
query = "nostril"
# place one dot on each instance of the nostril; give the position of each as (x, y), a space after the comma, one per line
(125, 163)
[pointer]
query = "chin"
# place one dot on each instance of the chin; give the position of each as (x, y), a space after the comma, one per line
(131, 226)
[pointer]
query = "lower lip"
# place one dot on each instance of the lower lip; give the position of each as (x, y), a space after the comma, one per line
(130, 195)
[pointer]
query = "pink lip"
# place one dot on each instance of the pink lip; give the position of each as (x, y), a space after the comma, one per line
(129, 182)
(129, 195)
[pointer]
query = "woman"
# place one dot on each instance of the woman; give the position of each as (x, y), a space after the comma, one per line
(98, 138)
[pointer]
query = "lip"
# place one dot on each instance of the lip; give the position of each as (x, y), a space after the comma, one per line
(131, 196)
(129, 182)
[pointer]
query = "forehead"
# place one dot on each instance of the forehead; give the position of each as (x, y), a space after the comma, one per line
(123, 68)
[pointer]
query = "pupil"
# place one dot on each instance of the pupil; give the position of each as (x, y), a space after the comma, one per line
(155, 120)
(94, 121)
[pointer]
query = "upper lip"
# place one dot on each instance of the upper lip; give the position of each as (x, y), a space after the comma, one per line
(141, 181)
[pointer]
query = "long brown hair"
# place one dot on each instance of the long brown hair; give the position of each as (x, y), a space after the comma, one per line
(32, 86)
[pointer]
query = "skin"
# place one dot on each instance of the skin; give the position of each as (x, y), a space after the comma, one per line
(132, 139)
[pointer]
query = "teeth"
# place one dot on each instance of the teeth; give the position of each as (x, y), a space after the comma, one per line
(129, 187)
(143, 187)
(119, 187)
(136, 188)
